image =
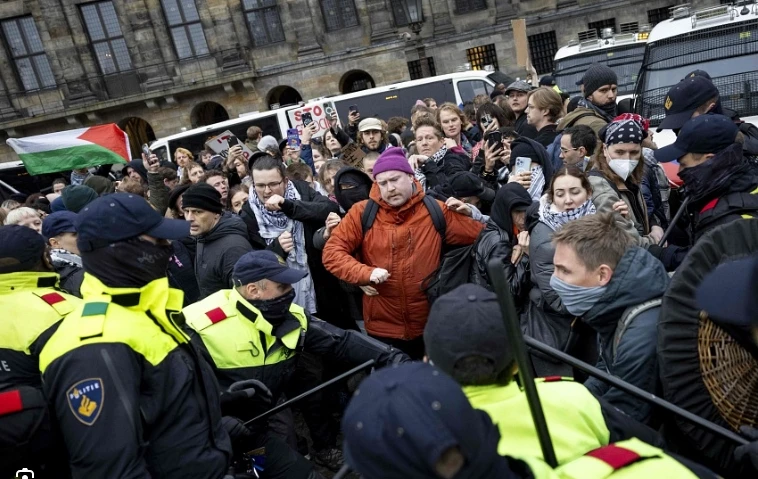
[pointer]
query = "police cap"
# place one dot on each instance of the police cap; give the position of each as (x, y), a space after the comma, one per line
(120, 217)
(21, 248)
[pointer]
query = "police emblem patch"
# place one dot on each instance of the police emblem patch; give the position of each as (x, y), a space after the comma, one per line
(668, 103)
(85, 399)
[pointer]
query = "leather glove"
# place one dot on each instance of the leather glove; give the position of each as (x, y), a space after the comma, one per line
(748, 454)
(246, 399)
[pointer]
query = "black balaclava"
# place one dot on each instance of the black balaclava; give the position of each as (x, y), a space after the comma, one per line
(507, 198)
(359, 186)
(128, 264)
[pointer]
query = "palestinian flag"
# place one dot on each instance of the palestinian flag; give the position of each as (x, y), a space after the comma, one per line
(72, 149)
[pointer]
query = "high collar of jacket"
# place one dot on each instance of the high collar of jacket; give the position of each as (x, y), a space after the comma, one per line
(401, 212)
(638, 277)
(27, 280)
(155, 299)
(491, 393)
(227, 224)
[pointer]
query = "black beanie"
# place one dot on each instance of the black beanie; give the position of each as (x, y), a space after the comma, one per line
(77, 197)
(204, 197)
(596, 76)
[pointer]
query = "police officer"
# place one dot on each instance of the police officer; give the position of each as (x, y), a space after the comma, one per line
(255, 331)
(465, 337)
(32, 308)
(131, 395)
(719, 181)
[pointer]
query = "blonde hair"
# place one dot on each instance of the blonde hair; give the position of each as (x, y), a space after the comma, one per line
(186, 152)
(16, 215)
(545, 98)
(453, 108)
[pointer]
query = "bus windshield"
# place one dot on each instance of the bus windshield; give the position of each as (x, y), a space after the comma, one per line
(728, 53)
(624, 60)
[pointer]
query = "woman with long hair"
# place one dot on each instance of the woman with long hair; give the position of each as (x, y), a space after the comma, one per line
(569, 197)
(616, 175)
(490, 117)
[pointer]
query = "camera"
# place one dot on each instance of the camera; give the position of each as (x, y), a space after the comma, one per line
(24, 474)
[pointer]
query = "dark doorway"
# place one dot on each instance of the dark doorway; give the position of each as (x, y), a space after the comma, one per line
(139, 132)
(208, 113)
(356, 80)
(283, 95)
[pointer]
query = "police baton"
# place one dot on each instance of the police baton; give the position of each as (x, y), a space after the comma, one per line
(318, 388)
(635, 391)
(674, 220)
(516, 339)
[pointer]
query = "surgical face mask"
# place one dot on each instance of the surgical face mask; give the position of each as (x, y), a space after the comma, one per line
(622, 167)
(577, 299)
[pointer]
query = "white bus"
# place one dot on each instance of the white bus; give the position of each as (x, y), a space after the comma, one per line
(721, 40)
(621, 52)
(383, 102)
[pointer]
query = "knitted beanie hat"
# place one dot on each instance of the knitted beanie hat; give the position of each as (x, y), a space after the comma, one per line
(596, 76)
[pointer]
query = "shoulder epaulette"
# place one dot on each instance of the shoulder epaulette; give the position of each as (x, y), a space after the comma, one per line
(554, 379)
(57, 301)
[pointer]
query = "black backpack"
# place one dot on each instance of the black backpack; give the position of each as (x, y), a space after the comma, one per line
(457, 262)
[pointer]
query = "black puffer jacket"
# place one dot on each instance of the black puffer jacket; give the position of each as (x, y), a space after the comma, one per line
(439, 173)
(498, 239)
(217, 252)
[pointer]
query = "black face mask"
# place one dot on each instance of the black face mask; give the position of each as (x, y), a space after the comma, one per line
(714, 175)
(349, 196)
(128, 264)
(276, 309)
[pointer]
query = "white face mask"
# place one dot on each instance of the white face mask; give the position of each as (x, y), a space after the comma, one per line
(623, 167)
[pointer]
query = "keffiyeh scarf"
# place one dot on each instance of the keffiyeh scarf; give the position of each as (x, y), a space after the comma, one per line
(437, 158)
(556, 219)
(271, 224)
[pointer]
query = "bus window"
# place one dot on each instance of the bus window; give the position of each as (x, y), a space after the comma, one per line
(468, 89)
(397, 102)
(161, 152)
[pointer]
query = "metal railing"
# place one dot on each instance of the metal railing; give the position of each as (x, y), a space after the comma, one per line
(93, 91)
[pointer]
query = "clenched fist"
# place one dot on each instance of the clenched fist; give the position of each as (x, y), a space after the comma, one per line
(286, 241)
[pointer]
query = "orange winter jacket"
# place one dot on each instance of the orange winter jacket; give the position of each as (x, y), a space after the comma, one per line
(404, 242)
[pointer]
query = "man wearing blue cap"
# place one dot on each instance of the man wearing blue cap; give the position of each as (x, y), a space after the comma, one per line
(131, 396)
(259, 317)
(32, 308)
(60, 233)
(718, 179)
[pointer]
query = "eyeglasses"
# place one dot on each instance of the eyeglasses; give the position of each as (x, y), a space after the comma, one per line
(566, 150)
(270, 186)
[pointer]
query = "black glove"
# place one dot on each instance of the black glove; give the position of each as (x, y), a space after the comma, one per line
(748, 454)
(235, 428)
(246, 399)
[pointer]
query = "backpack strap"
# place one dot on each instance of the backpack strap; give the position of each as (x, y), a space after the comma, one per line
(626, 319)
(438, 218)
(369, 215)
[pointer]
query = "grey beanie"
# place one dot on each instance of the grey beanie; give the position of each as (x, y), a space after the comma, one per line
(268, 143)
(596, 76)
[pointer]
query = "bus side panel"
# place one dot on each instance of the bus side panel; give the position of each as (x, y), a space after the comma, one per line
(397, 102)
(196, 143)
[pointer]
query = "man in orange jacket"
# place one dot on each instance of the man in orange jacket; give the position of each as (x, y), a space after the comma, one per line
(394, 248)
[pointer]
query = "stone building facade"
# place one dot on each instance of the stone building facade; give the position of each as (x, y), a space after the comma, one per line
(157, 66)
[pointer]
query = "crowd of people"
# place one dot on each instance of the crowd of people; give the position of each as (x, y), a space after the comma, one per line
(152, 319)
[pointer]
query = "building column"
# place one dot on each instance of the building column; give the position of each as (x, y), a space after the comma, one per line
(301, 14)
